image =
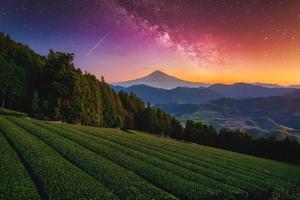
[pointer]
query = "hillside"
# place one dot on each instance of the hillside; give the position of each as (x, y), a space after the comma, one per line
(70, 161)
(159, 79)
(273, 107)
(258, 116)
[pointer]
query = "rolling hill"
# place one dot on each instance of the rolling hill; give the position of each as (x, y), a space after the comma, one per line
(58, 161)
(160, 79)
(259, 116)
(272, 107)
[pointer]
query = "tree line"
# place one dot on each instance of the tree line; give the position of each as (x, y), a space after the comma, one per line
(52, 88)
(286, 150)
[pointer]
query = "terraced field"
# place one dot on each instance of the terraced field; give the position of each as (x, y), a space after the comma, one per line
(39, 160)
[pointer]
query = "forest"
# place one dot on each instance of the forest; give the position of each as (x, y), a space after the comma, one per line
(52, 88)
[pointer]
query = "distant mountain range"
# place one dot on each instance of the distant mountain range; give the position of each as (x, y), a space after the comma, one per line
(200, 95)
(160, 88)
(258, 108)
(262, 116)
(177, 95)
(246, 90)
(160, 79)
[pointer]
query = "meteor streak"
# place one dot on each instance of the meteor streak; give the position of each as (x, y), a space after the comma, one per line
(98, 43)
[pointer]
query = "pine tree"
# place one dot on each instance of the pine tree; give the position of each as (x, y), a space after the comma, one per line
(35, 103)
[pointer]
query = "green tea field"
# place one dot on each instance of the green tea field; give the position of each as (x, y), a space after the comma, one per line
(39, 160)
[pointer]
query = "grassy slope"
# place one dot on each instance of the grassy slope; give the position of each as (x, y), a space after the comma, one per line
(108, 163)
(4, 111)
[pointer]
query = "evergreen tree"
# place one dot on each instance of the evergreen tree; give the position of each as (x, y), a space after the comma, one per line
(35, 103)
(112, 108)
(6, 77)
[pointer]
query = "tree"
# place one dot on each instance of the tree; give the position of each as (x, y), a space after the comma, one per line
(61, 78)
(128, 120)
(35, 103)
(6, 77)
(112, 106)
(18, 64)
(177, 129)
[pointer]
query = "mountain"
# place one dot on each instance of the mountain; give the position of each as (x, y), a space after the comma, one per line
(177, 95)
(261, 116)
(160, 79)
(159, 88)
(183, 95)
(246, 90)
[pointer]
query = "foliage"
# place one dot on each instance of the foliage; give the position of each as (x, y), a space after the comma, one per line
(286, 150)
(156, 175)
(19, 69)
(35, 103)
(140, 166)
(142, 117)
(57, 177)
(4, 111)
(15, 182)
(112, 107)
(203, 181)
(120, 181)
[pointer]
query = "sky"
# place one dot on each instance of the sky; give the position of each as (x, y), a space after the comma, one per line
(208, 41)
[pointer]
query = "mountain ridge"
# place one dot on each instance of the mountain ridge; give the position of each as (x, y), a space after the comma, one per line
(155, 95)
(248, 90)
(198, 95)
(160, 79)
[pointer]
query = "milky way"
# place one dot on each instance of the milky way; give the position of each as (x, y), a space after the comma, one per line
(201, 40)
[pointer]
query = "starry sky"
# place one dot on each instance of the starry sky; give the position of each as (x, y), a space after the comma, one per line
(206, 41)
